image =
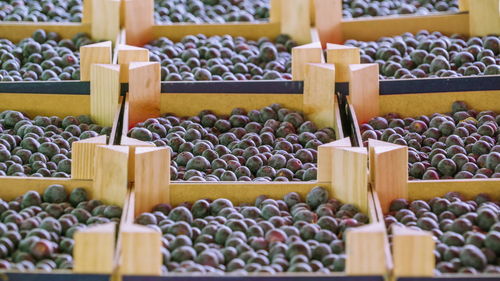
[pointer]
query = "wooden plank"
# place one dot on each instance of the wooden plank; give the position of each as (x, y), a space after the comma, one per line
(329, 21)
(128, 54)
(389, 185)
(104, 93)
(357, 132)
(144, 91)
(413, 252)
(152, 178)
(484, 17)
(325, 159)
(338, 122)
(83, 153)
(181, 192)
(426, 190)
(192, 104)
(251, 31)
(133, 144)
(463, 5)
(302, 55)
(43, 104)
(296, 19)
(139, 21)
(275, 12)
(380, 219)
(87, 11)
(17, 31)
(364, 90)
(365, 250)
(319, 94)
(342, 56)
(140, 251)
(413, 105)
(105, 19)
(371, 29)
(110, 174)
(349, 176)
(94, 249)
(12, 187)
(99, 53)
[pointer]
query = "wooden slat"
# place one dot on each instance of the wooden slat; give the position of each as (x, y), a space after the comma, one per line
(389, 168)
(144, 91)
(99, 53)
(463, 5)
(380, 219)
(426, 190)
(296, 19)
(413, 252)
(104, 93)
(128, 54)
(140, 251)
(110, 174)
(365, 250)
(133, 144)
(139, 21)
(349, 176)
(325, 158)
(87, 11)
(338, 122)
(94, 249)
(319, 94)
(105, 19)
(371, 29)
(83, 153)
(302, 55)
(364, 90)
(17, 31)
(152, 178)
(342, 56)
(329, 21)
(275, 12)
(484, 16)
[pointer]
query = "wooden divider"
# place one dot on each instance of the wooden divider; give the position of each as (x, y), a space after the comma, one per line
(83, 152)
(152, 178)
(110, 174)
(319, 94)
(140, 251)
(128, 54)
(144, 91)
(388, 171)
(364, 250)
(133, 144)
(139, 21)
(325, 159)
(413, 252)
(94, 249)
(349, 176)
(342, 56)
(275, 12)
(364, 90)
(99, 53)
(302, 55)
(484, 17)
(104, 93)
(105, 23)
(296, 19)
(329, 21)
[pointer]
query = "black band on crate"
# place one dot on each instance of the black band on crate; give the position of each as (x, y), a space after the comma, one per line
(65, 87)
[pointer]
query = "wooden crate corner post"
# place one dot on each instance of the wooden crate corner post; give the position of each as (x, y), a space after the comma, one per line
(325, 159)
(152, 177)
(94, 249)
(111, 174)
(302, 55)
(342, 56)
(319, 94)
(484, 17)
(83, 153)
(364, 90)
(365, 250)
(463, 5)
(391, 185)
(413, 252)
(296, 20)
(144, 91)
(128, 54)
(275, 12)
(99, 53)
(139, 21)
(329, 21)
(105, 92)
(140, 251)
(350, 176)
(133, 144)
(105, 23)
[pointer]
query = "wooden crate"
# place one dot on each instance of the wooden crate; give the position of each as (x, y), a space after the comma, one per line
(476, 18)
(152, 186)
(68, 99)
(294, 18)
